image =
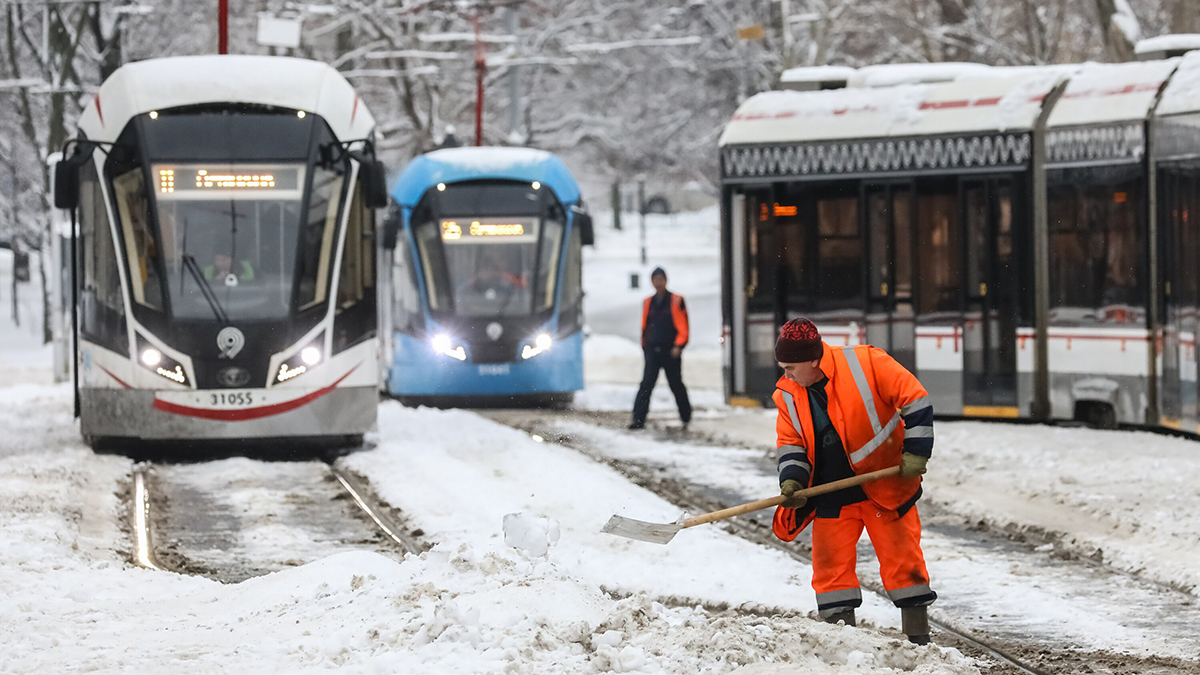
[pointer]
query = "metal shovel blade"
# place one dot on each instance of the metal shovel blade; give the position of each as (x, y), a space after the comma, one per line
(654, 533)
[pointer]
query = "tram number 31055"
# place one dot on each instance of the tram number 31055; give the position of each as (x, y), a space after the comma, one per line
(233, 398)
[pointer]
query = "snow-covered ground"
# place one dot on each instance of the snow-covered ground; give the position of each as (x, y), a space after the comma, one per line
(73, 602)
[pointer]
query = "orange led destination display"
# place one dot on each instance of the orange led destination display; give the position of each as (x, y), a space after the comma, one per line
(488, 228)
(225, 178)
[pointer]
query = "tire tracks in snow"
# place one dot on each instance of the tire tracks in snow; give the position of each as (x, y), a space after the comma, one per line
(1007, 654)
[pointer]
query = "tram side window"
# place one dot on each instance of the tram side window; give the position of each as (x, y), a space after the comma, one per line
(1095, 252)
(839, 283)
(355, 318)
(141, 249)
(793, 277)
(317, 237)
(101, 307)
(940, 253)
(547, 275)
(571, 316)
(407, 309)
(433, 263)
(357, 277)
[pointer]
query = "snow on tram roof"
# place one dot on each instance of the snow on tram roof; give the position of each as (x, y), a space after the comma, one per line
(977, 99)
(285, 82)
(1182, 93)
(452, 165)
(1111, 92)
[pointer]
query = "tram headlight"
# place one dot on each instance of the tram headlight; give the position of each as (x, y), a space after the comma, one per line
(444, 344)
(541, 343)
(311, 356)
(160, 364)
(300, 362)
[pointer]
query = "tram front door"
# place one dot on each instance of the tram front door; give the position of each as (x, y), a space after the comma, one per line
(890, 318)
(1179, 262)
(990, 299)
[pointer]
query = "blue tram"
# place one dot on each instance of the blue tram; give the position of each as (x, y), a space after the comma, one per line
(486, 279)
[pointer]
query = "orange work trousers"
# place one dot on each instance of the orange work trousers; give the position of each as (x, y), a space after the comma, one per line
(897, 543)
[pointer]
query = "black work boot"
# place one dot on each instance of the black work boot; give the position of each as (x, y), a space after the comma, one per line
(914, 621)
(842, 614)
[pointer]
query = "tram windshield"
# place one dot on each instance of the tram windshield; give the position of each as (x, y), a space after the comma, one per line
(230, 234)
(223, 230)
(491, 250)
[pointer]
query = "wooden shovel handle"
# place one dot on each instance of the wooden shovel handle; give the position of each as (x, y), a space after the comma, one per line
(825, 488)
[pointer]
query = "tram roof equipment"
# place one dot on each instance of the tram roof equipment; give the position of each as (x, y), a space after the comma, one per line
(452, 165)
(284, 82)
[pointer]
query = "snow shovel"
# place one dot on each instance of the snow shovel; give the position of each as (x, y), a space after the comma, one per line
(662, 533)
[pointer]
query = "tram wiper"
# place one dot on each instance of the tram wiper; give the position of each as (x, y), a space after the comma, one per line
(206, 290)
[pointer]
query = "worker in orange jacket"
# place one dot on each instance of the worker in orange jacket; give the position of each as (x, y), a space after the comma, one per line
(844, 412)
(664, 335)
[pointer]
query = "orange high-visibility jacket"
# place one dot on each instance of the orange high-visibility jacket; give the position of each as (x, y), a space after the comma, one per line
(678, 316)
(869, 394)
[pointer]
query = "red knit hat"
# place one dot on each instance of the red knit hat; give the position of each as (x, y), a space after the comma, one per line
(798, 342)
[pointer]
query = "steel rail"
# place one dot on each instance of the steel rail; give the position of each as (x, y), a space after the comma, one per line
(357, 492)
(143, 537)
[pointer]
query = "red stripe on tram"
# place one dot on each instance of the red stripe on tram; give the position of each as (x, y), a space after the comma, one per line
(243, 414)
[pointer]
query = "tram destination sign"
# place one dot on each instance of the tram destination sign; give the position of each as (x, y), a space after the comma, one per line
(484, 230)
(197, 178)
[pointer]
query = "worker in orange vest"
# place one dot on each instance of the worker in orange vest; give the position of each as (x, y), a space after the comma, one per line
(843, 412)
(664, 335)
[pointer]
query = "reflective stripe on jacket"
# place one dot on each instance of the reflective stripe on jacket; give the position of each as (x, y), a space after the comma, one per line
(678, 316)
(879, 410)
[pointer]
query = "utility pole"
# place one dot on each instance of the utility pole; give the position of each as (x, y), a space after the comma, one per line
(222, 26)
(480, 71)
(785, 11)
(514, 83)
(642, 212)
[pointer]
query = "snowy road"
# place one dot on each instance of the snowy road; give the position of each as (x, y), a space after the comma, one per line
(1047, 609)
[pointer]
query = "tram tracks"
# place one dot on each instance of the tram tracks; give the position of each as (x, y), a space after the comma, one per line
(248, 518)
(1009, 655)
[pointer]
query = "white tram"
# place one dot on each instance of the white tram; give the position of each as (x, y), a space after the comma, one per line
(1023, 239)
(224, 277)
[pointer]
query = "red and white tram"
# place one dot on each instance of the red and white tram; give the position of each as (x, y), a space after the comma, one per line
(224, 253)
(1021, 238)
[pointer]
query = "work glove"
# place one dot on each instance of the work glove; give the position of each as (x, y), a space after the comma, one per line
(912, 465)
(788, 489)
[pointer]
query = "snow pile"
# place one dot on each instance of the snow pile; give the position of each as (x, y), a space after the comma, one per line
(1129, 498)
(498, 470)
(532, 534)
